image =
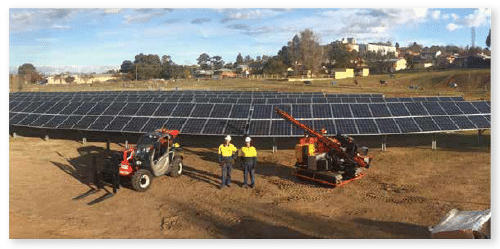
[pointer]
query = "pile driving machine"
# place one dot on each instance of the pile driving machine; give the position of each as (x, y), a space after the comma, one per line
(333, 161)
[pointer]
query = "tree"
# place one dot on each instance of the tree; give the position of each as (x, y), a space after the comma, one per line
(338, 53)
(203, 61)
(25, 69)
(488, 39)
(217, 62)
(274, 65)
(397, 45)
(310, 50)
(147, 66)
(239, 59)
(69, 79)
(127, 66)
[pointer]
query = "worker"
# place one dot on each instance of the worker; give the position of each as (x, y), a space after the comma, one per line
(227, 154)
(248, 161)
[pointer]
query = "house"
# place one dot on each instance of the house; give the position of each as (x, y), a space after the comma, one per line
(342, 73)
(375, 47)
(225, 73)
(79, 79)
(243, 70)
(203, 73)
(390, 65)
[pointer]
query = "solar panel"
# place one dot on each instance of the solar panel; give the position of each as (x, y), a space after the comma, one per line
(387, 126)
(379, 110)
(98, 109)
(426, 123)
(21, 106)
(480, 121)
(407, 125)
(56, 108)
(41, 120)
(280, 128)
(84, 108)
(361, 110)
(221, 111)
(175, 123)
(240, 111)
(135, 124)
(345, 126)
(28, 119)
(433, 108)
(85, 122)
(117, 124)
(183, 110)
(164, 109)
(341, 111)
(259, 127)
(301, 111)
(262, 112)
(463, 122)
(202, 110)
(366, 126)
(214, 127)
(44, 107)
(100, 123)
(236, 127)
(444, 123)
(416, 109)
(285, 107)
(398, 109)
(450, 108)
(69, 122)
(154, 123)
(482, 106)
(147, 109)
(363, 100)
(130, 109)
(467, 107)
(328, 124)
(113, 109)
(321, 111)
(33, 106)
(55, 121)
(193, 126)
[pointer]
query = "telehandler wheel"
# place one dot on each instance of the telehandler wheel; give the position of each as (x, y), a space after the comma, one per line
(141, 180)
(176, 169)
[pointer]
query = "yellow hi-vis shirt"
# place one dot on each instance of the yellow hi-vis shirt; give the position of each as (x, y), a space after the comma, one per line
(227, 151)
(249, 151)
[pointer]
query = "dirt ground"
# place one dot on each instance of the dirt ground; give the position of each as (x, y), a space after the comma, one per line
(408, 189)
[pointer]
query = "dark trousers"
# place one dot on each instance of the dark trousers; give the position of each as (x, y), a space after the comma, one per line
(227, 166)
(249, 169)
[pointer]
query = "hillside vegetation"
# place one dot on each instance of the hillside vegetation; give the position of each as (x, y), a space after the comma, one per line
(472, 84)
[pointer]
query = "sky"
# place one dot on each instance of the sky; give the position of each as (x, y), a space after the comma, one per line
(96, 39)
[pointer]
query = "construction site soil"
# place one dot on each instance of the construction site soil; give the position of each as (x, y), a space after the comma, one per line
(409, 188)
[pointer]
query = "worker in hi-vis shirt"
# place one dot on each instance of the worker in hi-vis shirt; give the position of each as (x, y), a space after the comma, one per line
(227, 154)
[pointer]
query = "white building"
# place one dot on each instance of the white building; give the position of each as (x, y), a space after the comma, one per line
(384, 49)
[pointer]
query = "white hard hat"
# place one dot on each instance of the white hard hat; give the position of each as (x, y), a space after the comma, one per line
(248, 139)
(228, 138)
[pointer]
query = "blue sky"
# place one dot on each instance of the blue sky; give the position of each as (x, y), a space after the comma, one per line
(84, 38)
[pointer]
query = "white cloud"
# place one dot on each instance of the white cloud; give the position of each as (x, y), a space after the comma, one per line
(454, 17)
(57, 26)
(445, 16)
(436, 14)
(478, 18)
(113, 11)
(452, 27)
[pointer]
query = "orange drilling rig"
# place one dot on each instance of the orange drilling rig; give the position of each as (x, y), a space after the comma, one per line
(333, 161)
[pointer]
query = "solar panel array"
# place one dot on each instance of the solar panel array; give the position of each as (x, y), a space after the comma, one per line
(237, 113)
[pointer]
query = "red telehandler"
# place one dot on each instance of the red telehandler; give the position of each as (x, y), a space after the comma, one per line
(333, 161)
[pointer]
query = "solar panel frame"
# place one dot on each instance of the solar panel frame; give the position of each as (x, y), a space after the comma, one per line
(346, 126)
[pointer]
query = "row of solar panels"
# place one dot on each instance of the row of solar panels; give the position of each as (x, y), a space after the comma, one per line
(245, 111)
(275, 128)
(288, 100)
